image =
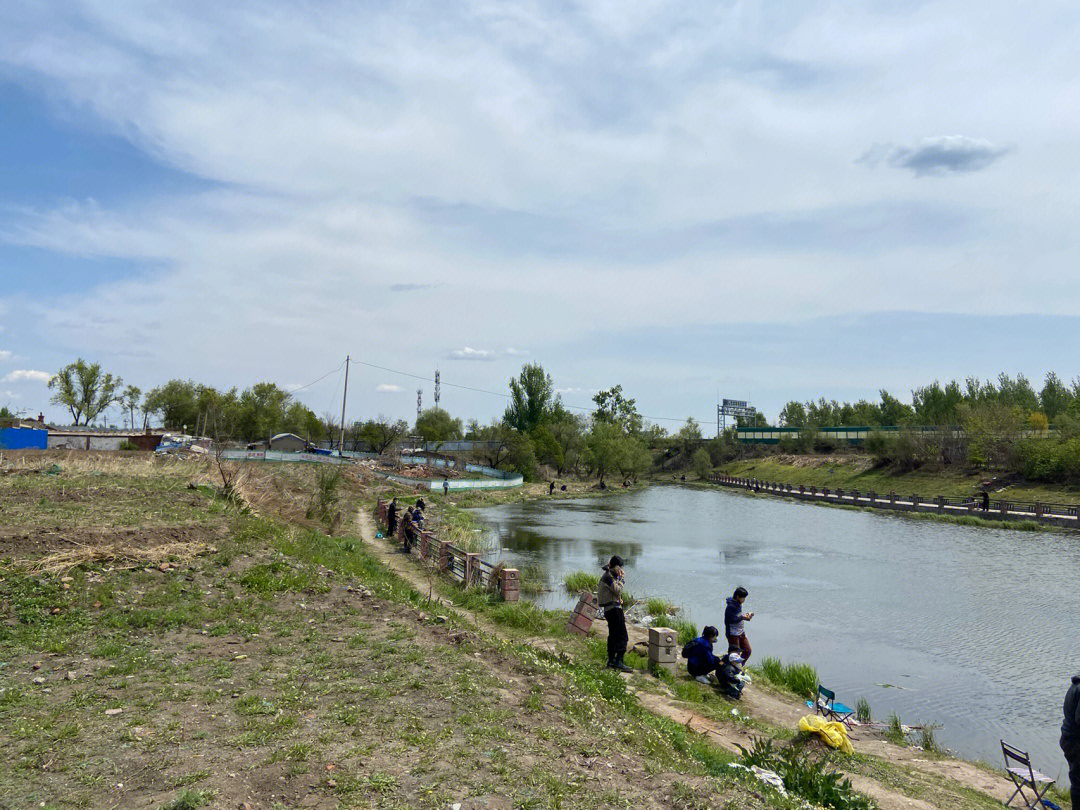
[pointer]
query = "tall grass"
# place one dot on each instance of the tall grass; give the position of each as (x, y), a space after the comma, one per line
(686, 628)
(895, 731)
(658, 607)
(927, 739)
(578, 581)
(862, 711)
(802, 679)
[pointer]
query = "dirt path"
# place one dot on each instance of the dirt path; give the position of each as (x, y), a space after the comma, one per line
(757, 703)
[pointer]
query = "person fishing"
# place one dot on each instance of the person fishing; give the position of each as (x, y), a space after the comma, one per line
(733, 622)
(609, 597)
(391, 517)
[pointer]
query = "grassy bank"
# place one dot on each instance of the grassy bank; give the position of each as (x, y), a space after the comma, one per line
(857, 472)
(289, 667)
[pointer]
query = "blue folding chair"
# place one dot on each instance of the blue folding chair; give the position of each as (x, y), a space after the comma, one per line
(827, 706)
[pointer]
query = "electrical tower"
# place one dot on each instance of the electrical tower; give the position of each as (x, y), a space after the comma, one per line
(436, 388)
(419, 401)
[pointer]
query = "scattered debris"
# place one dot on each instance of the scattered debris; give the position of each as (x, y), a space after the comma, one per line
(129, 556)
(113, 712)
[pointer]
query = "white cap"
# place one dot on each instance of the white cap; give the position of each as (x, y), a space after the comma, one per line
(734, 658)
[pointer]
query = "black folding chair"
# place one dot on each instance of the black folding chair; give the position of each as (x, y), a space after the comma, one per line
(1018, 767)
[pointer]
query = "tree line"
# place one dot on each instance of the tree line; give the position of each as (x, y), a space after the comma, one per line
(1004, 426)
(536, 431)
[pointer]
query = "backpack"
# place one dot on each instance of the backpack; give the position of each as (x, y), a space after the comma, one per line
(688, 648)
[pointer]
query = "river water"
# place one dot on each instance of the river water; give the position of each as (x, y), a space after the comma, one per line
(976, 629)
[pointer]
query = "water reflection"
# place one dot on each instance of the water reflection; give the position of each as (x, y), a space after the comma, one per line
(972, 628)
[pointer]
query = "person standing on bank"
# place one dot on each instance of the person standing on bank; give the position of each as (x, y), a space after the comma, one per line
(609, 597)
(733, 623)
(1070, 738)
(391, 518)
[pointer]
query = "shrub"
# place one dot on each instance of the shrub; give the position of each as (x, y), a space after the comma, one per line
(927, 739)
(805, 777)
(578, 581)
(687, 630)
(702, 463)
(660, 607)
(128, 445)
(802, 679)
(325, 496)
(895, 731)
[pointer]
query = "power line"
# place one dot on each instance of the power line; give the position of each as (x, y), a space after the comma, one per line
(505, 395)
(323, 377)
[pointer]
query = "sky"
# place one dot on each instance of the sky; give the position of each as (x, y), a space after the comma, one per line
(755, 201)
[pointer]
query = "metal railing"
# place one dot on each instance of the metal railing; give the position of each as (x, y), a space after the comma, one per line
(466, 567)
(999, 508)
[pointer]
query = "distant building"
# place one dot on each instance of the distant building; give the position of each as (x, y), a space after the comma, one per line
(284, 442)
(84, 439)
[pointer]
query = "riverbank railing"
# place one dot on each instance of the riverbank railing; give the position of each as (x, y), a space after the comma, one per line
(1057, 514)
(467, 567)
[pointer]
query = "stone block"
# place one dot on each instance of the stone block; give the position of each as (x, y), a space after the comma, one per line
(579, 623)
(587, 605)
(510, 584)
(662, 637)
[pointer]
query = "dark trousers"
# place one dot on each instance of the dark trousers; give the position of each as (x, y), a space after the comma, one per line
(743, 643)
(1072, 756)
(617, 637)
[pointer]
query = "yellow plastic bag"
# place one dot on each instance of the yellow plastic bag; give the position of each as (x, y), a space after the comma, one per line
(833, 732)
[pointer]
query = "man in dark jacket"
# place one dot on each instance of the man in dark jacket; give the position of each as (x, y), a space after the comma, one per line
(1070, 738)
(609, 597)
(700, 660)
(391, 518)
(733, 622)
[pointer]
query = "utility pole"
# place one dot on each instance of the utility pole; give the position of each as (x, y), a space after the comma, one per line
(419, 401)
(436, 388)
(344, 394)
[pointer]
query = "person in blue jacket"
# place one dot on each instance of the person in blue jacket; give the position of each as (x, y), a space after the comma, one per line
(700, 660)
(734, 617)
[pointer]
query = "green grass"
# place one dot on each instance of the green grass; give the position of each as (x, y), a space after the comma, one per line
(862, 711)
(658, 607)
(894, 731)
(801, 679)
(687, 630)
(856, 471)
(577, 581)
(190, 800)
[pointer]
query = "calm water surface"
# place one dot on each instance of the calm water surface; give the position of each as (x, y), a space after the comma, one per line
(976, 629)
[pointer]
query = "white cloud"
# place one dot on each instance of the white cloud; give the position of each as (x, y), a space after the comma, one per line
(28, 375)
(388, 388)
(468, 353)
(478, 172)
(567, 390)
(5, 355)
(8, 395)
